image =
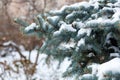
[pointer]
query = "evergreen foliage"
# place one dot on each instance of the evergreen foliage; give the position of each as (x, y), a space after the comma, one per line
(85, 32)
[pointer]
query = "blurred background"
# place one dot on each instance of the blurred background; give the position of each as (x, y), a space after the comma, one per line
(26, 10)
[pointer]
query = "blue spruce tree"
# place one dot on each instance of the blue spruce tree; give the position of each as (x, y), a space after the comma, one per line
(85, 32)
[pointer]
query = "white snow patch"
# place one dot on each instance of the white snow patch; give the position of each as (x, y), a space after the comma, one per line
(109, 69)
(83, 30)
(52, 71)
(31, 27)
(78, 24)
(117, 4)
(116, 15)
(64, 65)
(56, 33)
(100, 21)
(94, 68)
(9, 43)
(114, 54)
(81, 42)
(64, 28)
(87, 77)
(53, 18)
(67, 45)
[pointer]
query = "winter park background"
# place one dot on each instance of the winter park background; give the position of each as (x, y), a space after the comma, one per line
(59, 40)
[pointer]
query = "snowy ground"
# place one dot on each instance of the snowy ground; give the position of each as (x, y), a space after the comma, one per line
(43, 71)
